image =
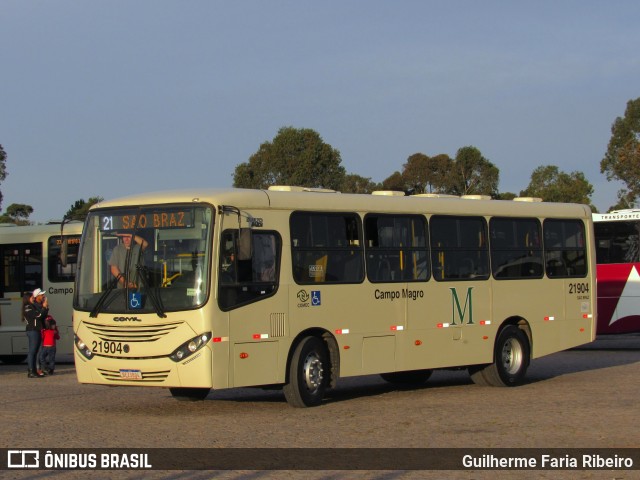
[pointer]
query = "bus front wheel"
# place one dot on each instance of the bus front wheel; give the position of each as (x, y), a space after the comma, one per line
(308, 373)
(511, 360)
(189, 394)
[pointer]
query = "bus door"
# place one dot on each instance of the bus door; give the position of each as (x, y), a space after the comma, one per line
(248, 277)
(21, 272)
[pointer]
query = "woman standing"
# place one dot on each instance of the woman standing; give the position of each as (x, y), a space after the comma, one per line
(34, 313)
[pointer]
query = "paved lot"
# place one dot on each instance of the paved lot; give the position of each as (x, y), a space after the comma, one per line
(583, 398)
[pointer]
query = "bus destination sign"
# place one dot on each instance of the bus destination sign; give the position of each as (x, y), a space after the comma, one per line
(164, 218)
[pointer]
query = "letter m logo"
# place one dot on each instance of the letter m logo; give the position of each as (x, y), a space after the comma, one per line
(457, 311)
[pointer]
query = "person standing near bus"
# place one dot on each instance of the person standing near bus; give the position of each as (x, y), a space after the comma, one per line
(48, 350)
(34, 314)
(118, 260)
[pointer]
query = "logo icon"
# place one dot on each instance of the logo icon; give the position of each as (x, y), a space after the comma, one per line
(315, 298)
(303, 296)
(23, 459)
(135, 300)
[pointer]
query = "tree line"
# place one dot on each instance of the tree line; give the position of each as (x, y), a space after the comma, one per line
(299, 156)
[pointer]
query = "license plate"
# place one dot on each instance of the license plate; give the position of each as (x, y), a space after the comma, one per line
(131, 374)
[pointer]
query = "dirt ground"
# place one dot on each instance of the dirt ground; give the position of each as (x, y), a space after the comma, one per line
(582, 398)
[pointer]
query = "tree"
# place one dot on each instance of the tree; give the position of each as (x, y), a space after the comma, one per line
(395, 181)
(3, 169)
(17, 213)
(424, 174)
(552, 185)
(294, 157)
(79, 210)
(353, 183)
(622, 159)
(472, 174)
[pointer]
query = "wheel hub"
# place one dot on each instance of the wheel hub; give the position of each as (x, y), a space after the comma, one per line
(313, 372)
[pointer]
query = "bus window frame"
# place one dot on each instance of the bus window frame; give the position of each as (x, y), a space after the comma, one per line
(439, 253)
(376, 255)
(515, 247)
(317, 273)
(548, 251)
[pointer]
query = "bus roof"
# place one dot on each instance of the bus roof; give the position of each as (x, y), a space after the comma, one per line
(326, 200)
(8, 231)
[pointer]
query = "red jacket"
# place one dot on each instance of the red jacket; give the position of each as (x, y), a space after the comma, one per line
(49, 337)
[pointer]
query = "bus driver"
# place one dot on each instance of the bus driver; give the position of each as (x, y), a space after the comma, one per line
(119, 258)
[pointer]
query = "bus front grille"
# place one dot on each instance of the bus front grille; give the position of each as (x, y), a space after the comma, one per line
(131, 333)
(114, 375)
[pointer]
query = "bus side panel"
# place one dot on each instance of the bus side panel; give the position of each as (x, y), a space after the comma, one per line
(361, 317)
(618, 298)
(513, 300)
(13, 339)
(448, 328)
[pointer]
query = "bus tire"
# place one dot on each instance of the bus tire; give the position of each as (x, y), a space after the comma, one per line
(189, 394)
(12, 359)
(308, 373)
(511, 360)
(409, 378)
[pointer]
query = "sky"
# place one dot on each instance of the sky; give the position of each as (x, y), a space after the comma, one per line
(113, 98)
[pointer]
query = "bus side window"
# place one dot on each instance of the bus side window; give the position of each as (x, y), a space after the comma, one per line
(246, 280)
(459, 248)
(326, 248)
(565, 249)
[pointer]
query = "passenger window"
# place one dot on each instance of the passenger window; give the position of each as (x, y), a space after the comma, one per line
(397, 249)
(326, 248)
(564, 248)
(459, 248)
(516, 248)
(57, 272)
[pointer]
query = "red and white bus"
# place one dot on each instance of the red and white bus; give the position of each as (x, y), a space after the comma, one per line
(617, 236)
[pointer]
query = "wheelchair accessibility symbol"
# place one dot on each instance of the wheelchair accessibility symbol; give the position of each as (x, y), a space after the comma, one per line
(315, 298)
(135, 300)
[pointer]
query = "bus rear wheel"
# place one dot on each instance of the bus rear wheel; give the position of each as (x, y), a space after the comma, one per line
(308, 373)
(511, 360)
(189, 394)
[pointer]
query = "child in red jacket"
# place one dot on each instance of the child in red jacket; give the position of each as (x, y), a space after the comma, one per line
(48, 350)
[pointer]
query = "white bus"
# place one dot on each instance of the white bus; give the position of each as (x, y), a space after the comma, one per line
(31, 259)
(296, 288)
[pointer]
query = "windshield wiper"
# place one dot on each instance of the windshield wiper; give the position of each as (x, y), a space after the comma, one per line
(103, 298)
(156, 301)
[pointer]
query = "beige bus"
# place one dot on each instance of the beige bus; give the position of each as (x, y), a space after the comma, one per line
(298, 287)
(31, 259)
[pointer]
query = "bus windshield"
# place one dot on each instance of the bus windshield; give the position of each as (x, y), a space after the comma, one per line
(145, 260)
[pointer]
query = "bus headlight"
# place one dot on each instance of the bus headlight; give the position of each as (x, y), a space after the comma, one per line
(83, 348)
(190, 347)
